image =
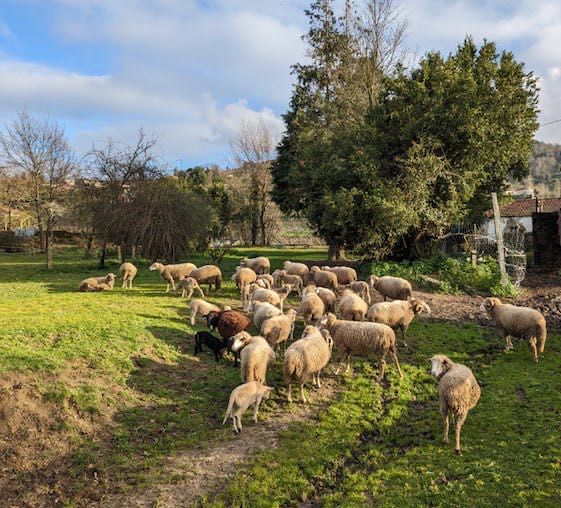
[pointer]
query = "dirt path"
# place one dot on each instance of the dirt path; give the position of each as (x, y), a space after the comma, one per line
(206, 471)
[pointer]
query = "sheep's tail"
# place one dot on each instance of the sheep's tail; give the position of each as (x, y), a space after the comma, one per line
(229, 410)
(218, 282)
(293, 365)
(541, 336)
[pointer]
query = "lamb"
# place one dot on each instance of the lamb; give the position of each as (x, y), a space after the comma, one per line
(299, 269)
(187, 286)
(171, 273)
(395, 288)
(272, 296)
(128, 272)
(306, 357)
(311, 306)
(278, 329)
(215, 344)
(259, 265)
(208, 274)
(323, 278)
(93, 284)
(266, 279)
(263, 311)
(397, 314)
(329, 299)
(521, 322)
(352, 307)
(458, 392)
(345, 274)
(362, 338)
(277, 278)
(201, 308)
(241, 398)
(228, 323)
(294, 280)
(243, 277)
(255, 356)
(362, 289)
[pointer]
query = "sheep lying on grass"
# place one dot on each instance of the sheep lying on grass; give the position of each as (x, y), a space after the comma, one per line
(362, 289)
(323, 278)
(395, 288)
(243, 396)
(299, 269)
(345, 274)
(306, 357)
(263, 311)
(259, 265)
(172, 273)
(256, 355)
(208, 274)
(128, 272)
(458, 392)
(397, 314)
(94, 284)
(311, 307)
(278, 329)
(363, 339)
(521, 322)
(187, 286)
(201, 308)
(351, 306)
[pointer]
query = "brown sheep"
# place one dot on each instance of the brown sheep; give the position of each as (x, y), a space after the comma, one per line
(458, 392)
(521, 322)
(228, 322)
(395, 288)
(208, 274)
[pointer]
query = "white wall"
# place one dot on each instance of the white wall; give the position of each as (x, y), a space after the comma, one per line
(524, 221)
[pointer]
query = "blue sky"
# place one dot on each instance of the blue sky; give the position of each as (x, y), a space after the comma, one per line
(191, 71)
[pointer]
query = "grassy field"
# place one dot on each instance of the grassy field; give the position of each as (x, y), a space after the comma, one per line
(106, 387)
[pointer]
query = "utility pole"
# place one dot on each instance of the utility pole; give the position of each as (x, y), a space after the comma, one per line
(499, 239)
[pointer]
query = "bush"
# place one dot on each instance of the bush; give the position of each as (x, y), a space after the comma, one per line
(10, 242)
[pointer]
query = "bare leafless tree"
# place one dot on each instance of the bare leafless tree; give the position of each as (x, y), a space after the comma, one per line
(37, 147)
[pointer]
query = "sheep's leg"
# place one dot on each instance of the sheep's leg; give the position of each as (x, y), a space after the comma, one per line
(124, 284)
(508, 343)
(256, 409)
(239, 423)
(318, 379)
(281, 302)
(446, 428)
(348, 369)
(404, 336)
(459, 424)
(382, 367)
(534, 347)
(289, 392)
(302, 394)
(200, 291)
(193, 316)
(396, 361)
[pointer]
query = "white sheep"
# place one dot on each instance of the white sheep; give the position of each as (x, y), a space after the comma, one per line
(263, 311)
(259, 265)
(395, 288)
(299, 269)
(128, 272)
(521, 322)
(351, 306)
(345, 274)
(272, 296)
(312, 307)
(279, 329)
(171, 273)
(323, 278)
(306, 357)
(363, 339)
(243, 277)
(201, 308)
(328, 297)
(187, 286)
(243, 396)
(256, 355)
(93, 284)
(458, 392)
(208, 274)
(265, 280)
(362, 289)
(397, 314)
(294, 280)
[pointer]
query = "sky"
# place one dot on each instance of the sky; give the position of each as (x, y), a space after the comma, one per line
(191, 71)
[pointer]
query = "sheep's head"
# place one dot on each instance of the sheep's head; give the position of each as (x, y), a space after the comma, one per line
(110, 277)
(291, 313)
(315, 269)
(286, 264)
(155, 266)
(243, 263)
(190, 282)
(440, 365)
(239, 341)
(328, 320)
(310, 288)
(267, 391)
(419, 306)
(327, 337)
(212, 320)
(325, 268)
(373, 280)
(489, 304)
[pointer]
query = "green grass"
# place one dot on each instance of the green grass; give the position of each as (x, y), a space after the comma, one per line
(123, 361)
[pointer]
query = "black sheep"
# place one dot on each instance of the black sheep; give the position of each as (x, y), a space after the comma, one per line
(213, 343)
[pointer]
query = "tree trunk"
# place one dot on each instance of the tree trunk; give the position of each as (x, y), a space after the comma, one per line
(133, 252)
(120, 254)
(89, 243)
(49, 246)
(335, 252)
(102, 255)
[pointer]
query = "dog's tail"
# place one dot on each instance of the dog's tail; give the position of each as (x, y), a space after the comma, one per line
(229, 410)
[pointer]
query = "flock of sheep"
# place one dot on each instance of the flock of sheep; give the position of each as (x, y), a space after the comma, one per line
(337, 311)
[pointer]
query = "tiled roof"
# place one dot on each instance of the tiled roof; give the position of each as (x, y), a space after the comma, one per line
(526, 207)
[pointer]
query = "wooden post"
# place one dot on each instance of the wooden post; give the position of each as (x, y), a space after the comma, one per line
(499, 239)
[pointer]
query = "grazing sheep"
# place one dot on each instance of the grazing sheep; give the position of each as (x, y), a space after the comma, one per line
(323, 278)
(299, 269)
(352, 307)
(521, 322)
(228, 323)
(259, 265)
(363, 339)
(272, 296)
(277, 278)
(187, 286)
(397, 314)
(311, 306)
(306, 357)
(458, 392)
(294, 280)
(171, 273)
(328, 297)
(94, 284)
(263, 311)
(128, 272)
(278, 329)
(243, 277)
(395, 288)
(208, 274)
(215, 344)
(255, 356)
(201, 308)
(345, 274)
(266, 279)
(362, 289)
(241, 398)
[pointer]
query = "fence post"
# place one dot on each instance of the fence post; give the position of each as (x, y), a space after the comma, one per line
(499, 239)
